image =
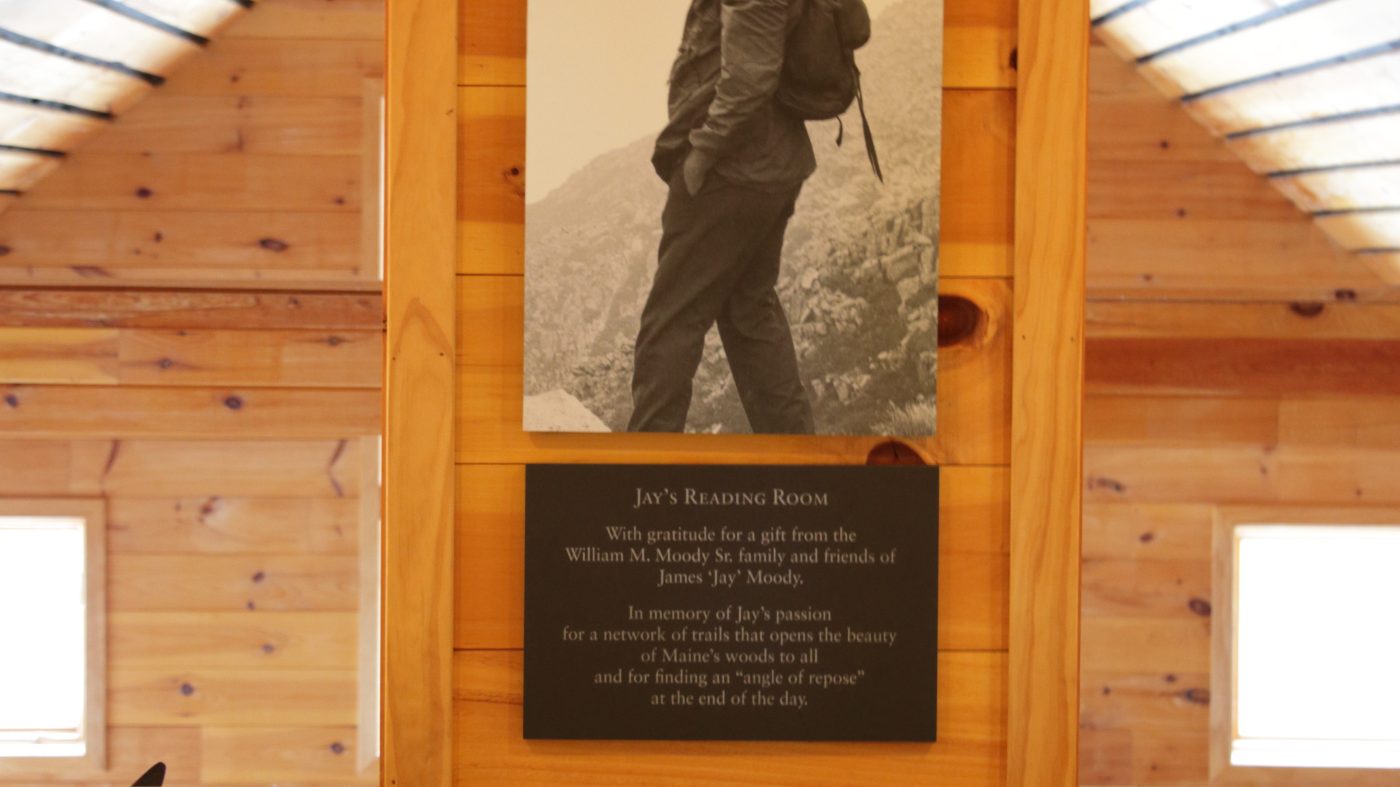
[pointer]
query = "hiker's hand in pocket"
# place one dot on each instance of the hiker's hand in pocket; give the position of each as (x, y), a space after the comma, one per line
(697, 166)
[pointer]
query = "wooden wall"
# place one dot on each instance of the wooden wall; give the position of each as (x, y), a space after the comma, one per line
(188, 333)
(974, 444)
(1234, 357)
(247, 166)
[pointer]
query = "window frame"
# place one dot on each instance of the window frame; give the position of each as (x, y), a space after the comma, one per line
(93, 512)
(1224, 644)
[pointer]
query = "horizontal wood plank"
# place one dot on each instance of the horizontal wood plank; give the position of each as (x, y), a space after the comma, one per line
(132, 411)
(1142, 589)
(218, 525)
(239, 698)
(121, 243)
(489, 749)
(305, 125)
(186, 356)
(491, 542)
(972, 383)
(1124, 644)
(201, 182)
(1299, 321)
(1241, 474)
(1180, 420)
(1242, 367)
(130, 751)
(976, 227)
(1186, 258)
(309, 68)
(174, 468)
(244, 583)
(1150, 531)
(134, 308)
(335, 19)
(239, 755)
(232, 640)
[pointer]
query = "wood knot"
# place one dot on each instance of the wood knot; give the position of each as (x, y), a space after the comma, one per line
(1095, 482)
(4, 250)
(1147, 537)
(158, 237)
(11, 400)
(259, 576)
(1200, 606)
(334, 341)
(1196, 696)
(233, 402)
(959, 319)
(186, 689)
(1345, 295)
(337, 748)
(268, 647)
(894, 452)
(1307, 308)
(143, 192)
(274, 244)
(165, 363)
(1014, 61)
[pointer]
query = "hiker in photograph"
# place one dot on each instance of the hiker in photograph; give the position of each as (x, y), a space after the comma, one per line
(735, 154)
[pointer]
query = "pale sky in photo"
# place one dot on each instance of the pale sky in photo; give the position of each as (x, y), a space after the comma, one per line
(597, 80)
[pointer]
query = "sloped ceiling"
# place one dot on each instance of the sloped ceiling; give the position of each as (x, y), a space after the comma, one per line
(69, 67)
(1306, 92)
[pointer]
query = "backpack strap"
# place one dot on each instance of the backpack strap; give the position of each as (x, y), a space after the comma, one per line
(865, 125)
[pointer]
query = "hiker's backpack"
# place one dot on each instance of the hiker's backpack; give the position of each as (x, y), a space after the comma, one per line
(820, 78)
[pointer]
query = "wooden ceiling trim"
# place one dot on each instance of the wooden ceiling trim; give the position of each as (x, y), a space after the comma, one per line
(1102, 11)
(30, 126)
(1329, 143)
(20, 169)
(201, 17)
(33, 74)
(1363, 229)
(95, 32)
(1386, 266)
(1305, 34)
(1347, 188)
(1345, 88)
(1157, 26)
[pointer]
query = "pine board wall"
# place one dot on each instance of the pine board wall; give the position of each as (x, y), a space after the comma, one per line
(191, 332)
(974, 446)
(1235, 357)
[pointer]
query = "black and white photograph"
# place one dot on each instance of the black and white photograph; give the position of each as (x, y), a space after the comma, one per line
(732, 216)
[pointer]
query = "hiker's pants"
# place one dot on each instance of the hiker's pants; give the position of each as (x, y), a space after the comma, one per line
(718, 263)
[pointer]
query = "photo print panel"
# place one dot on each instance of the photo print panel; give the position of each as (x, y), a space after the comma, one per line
(728, 230)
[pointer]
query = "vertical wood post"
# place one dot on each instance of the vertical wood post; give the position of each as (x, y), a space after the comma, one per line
(1047, 392)
(418, 463)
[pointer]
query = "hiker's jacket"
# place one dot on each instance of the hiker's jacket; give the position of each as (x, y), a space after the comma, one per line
(721, 97)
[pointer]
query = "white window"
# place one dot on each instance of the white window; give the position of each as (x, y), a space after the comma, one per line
(51, 612)
(1309, 637)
